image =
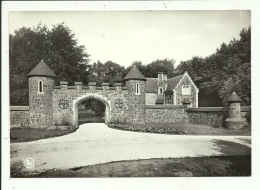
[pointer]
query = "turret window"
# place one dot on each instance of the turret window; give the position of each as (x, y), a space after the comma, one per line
(40, 87)
(137, 89)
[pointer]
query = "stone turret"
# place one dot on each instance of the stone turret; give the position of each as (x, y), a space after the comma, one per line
(135, 82)
(234, 120)
(41, 82)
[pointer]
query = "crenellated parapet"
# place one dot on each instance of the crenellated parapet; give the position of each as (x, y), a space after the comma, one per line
(91, 86)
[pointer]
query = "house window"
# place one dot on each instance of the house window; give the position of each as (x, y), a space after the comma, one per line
(186, 90)
(40, 87)
(160, 90)
(137, 89)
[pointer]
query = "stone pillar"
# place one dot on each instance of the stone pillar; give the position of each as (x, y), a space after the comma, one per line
(234, 120)
(234, 110)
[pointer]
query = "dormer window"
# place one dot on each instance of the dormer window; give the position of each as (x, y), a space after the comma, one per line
(160, 77)
(137, 89)
(186, 90)
(160, 90)
(40, 87)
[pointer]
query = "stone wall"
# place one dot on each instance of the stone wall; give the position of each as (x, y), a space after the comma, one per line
(246, 113)
(213, 116)
(19, 116)
(150, 98)
(164, 113)
(208, 116)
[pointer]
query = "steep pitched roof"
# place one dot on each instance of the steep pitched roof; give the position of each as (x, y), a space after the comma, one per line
(234, 98)
(172, 83)
(134, 73)
(42, 69)
(150, 85)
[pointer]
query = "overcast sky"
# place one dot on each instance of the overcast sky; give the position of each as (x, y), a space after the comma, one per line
(127, 36)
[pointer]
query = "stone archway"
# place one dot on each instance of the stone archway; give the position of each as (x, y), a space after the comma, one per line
(85, 97)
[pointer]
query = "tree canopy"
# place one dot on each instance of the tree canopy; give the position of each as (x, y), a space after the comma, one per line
(57, 46)
(108, 72)
(227, 70)
(217, 75)
(151, 70)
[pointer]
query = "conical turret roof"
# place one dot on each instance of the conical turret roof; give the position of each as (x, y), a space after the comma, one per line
(234, 98)
(42, 69)
(134, 73)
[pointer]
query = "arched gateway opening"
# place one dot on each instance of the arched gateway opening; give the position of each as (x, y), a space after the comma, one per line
(88, 97)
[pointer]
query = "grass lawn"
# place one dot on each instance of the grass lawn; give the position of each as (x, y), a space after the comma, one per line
(31, 134)
(168, 167)
(196, 129)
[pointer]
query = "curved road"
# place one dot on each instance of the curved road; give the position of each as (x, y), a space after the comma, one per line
(96, 143)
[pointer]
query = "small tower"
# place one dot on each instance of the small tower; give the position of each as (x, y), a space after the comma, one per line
(41, 82)
(234, 120)
(135, 81)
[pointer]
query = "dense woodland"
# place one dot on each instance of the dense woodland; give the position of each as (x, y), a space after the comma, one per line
(217, 76)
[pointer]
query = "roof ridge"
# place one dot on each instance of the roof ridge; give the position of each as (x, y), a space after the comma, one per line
(175, 77)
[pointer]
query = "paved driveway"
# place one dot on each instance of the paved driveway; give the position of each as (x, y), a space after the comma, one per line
(96, 143)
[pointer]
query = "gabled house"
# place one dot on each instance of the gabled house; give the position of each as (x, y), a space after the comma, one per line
(173, 91)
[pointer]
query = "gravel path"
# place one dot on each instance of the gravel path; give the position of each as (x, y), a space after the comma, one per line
(96, 143)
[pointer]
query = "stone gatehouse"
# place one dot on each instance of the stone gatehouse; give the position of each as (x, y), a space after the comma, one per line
(57, 105)
(51, 105)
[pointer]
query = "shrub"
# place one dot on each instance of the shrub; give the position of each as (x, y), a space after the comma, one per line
(147, 130)
(117, 121)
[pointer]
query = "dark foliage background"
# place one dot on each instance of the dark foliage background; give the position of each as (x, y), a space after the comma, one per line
(227, 70)
(57, 46)
(217, 76)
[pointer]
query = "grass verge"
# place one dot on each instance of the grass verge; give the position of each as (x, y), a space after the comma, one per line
(183, 128)
(31, 134)
(168, 167)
